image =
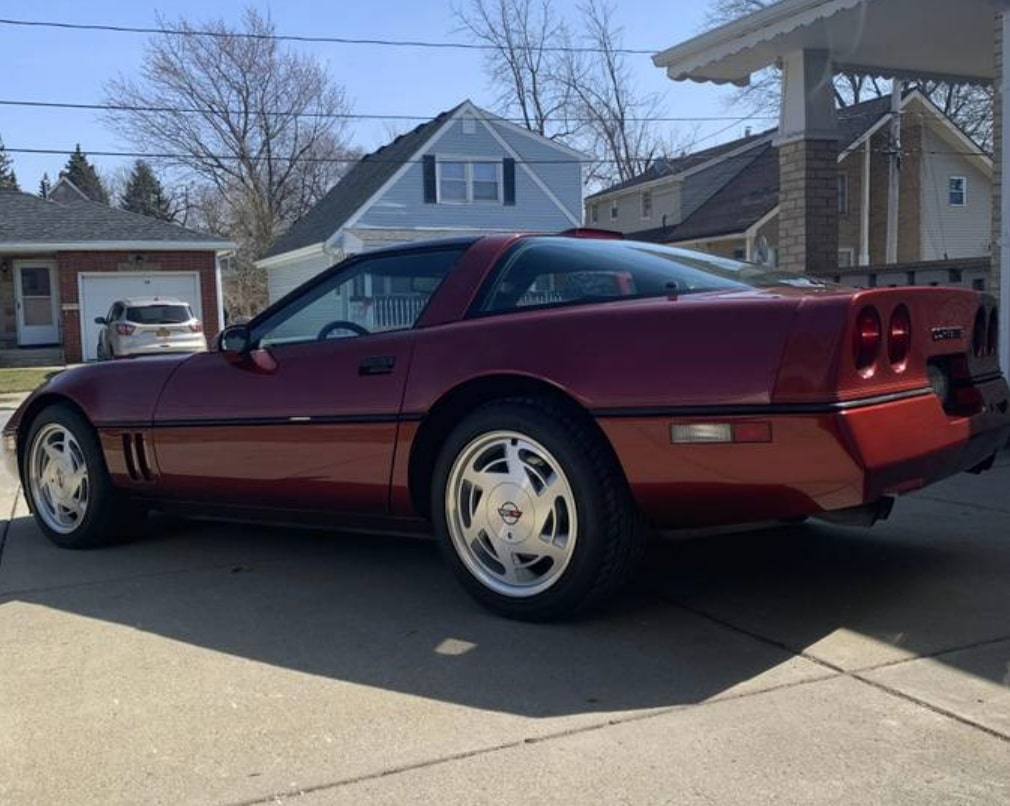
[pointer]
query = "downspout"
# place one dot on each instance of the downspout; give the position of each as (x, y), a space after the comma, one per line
(864, 211)
(219, 290)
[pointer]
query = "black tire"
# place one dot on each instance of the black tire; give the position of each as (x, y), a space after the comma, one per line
(108, 515)
(609, 535)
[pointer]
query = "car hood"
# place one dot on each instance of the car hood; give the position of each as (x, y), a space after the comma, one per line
(108, 393)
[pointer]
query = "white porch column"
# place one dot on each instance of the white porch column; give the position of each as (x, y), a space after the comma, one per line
(808, 164)
(1003, 121)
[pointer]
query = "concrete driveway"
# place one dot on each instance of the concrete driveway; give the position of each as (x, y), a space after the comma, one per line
(219, 664)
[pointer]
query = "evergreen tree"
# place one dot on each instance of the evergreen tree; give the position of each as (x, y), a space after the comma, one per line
(145, 195)
(8, 180)
(45, 186)
(83, 174)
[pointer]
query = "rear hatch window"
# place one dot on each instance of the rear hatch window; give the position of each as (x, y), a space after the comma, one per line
(159, 314)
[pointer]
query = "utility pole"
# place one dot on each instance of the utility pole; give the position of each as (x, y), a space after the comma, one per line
(894, 173)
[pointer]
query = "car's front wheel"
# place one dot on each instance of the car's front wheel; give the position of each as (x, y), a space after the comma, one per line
(532, 512)
(68, 485)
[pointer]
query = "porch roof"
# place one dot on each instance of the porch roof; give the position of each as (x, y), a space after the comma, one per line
(938, 39)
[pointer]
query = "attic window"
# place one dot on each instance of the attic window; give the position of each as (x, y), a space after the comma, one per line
(469, 124)
(469, 182)
(957, 190)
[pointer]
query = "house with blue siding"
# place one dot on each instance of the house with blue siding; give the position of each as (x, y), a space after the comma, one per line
(467, 171)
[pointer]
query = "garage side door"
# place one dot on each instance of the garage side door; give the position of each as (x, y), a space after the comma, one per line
(99, 291)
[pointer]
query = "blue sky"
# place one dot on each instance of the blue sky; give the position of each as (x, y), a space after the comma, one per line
(73, 66)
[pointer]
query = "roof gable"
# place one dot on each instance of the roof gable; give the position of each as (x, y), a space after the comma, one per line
(377, 171)
(366, 178)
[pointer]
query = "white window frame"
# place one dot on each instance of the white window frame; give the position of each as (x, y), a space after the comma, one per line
(468, 163)
(594, 213)
(964, 191)
(614, 210)
(646, 197)
(850, 254)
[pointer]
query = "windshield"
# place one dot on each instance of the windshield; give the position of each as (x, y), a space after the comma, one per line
(159, 314)
(560, 270)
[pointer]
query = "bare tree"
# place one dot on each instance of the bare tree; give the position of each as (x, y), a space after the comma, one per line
(969, 106)
(620, 127)
(525, 60)
(262, 127)
(565, 83)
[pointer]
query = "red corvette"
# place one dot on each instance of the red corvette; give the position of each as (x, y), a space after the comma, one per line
(538, 401)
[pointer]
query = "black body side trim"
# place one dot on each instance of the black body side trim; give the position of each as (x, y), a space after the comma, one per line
(759, 409)
(216, 422)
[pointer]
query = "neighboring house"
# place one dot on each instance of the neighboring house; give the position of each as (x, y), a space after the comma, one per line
(62, 263)
(726, 200)
(464, 172)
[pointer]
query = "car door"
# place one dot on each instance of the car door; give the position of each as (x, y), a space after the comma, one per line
(307, 416)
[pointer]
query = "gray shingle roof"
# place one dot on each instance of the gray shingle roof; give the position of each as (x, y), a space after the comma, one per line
(853, 121)
(670, 166)
(358, 185)
(25, 218)
(754, 192)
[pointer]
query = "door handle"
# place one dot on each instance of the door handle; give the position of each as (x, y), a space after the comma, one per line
(377, 365)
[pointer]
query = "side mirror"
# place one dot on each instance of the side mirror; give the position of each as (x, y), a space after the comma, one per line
(234, 339)
(101, 320)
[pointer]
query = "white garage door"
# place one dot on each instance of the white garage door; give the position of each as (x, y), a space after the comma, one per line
(99, 290)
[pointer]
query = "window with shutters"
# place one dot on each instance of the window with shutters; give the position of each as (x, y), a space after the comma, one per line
(463, 181)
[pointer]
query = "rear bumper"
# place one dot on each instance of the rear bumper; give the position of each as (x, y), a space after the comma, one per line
(816, 462)
(193, 345)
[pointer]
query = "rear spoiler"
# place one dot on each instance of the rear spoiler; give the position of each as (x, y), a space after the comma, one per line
(590, 232)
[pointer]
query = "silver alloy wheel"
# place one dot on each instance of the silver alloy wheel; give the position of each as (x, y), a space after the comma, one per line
(58, 477)
(511, 513)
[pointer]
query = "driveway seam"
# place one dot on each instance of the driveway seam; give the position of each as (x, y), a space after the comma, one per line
(932, 655)
(852, 675)
(550, 737)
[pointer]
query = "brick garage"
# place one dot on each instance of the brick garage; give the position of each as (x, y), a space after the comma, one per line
(47, 244)
(71, 264)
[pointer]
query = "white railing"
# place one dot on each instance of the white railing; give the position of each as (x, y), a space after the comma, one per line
(395, 311)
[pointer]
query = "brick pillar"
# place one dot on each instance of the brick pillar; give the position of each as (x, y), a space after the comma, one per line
(808, 206)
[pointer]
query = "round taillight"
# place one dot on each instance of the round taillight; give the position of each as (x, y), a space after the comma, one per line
(899, 337)
(992, 333)
(978, 335)
(869, 335)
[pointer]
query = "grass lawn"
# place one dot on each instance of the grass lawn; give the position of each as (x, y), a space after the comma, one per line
(21, 379)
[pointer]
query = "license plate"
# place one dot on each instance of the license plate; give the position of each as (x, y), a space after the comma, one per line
(163, 333)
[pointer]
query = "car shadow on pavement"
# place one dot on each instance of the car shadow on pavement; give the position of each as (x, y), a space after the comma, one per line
(711, 617)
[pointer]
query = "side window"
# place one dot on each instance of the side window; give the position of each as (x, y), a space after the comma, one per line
(548, 275)
(373, 295)
(545, 270)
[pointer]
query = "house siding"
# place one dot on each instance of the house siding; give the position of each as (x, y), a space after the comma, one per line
(402, 205)
(283, 279)
(950, 232)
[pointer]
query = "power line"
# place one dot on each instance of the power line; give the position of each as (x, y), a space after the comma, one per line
(330, 40)
(339, 115)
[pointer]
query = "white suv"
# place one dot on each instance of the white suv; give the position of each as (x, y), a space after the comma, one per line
(149, 326)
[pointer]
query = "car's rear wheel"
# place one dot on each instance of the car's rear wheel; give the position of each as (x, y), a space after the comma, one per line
(532, 512)
(68, 485)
